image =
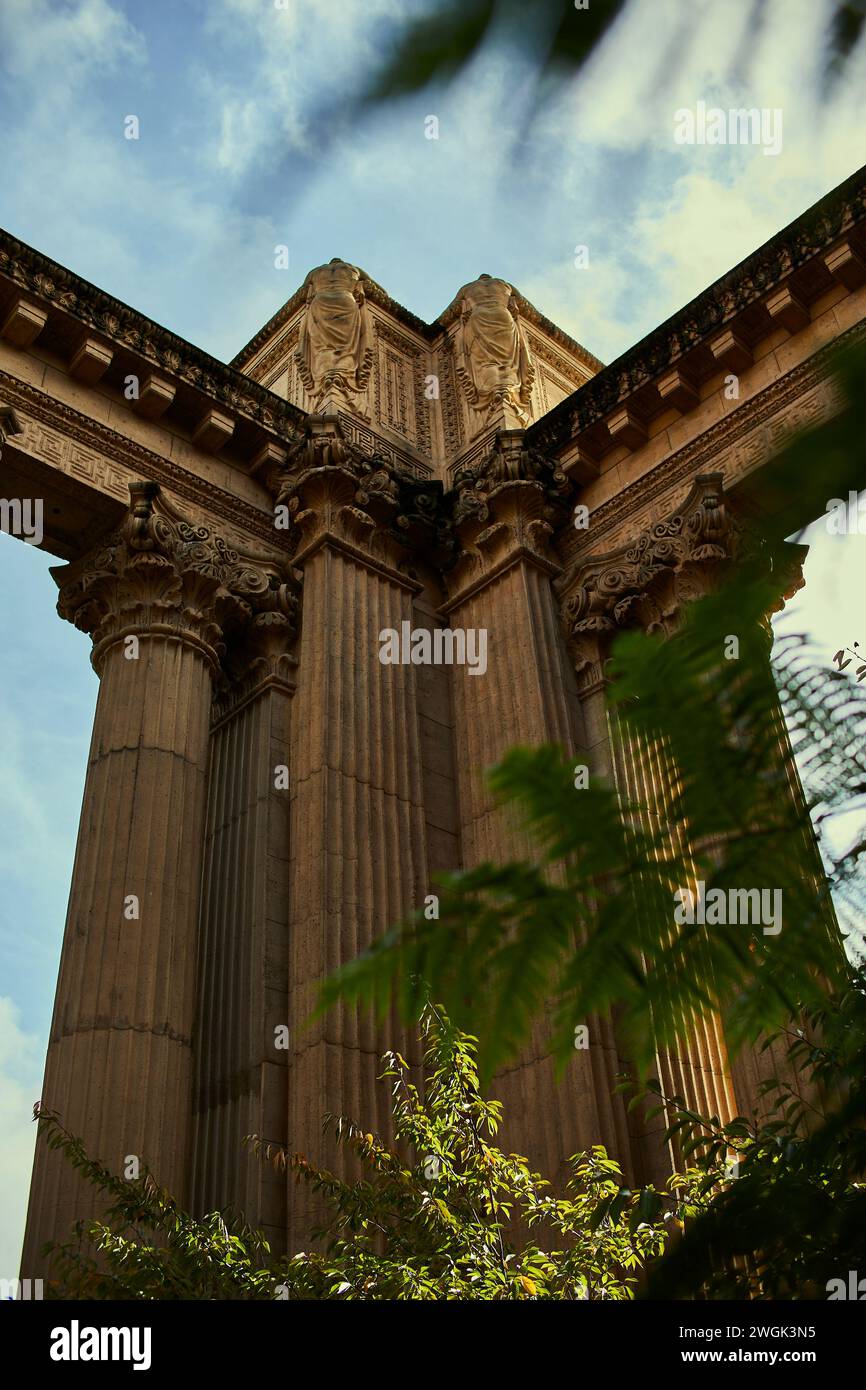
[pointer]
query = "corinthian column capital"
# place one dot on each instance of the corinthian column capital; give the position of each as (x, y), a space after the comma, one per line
(646, 583)
(161, 574)
(328, 491)
(506, 508)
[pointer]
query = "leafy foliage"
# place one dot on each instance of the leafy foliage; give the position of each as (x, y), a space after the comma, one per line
(591, 925)
(846, 29)
(794, 1217)
(146, 1246)
(439, 45)
(459, 1219)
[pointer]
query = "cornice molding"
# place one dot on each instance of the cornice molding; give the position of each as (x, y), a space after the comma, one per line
(791, 394)
(280, 352)
(747, 284)
(39, 276)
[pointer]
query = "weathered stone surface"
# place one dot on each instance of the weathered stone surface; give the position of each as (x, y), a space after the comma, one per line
(24, 322)
(397, 473)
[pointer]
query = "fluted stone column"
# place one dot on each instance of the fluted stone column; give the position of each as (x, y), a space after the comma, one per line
(358, 857)
(752, 1066)
(697, 1068)
(527, 696)
(118, 1068)
(240, 1053)
(647, 584)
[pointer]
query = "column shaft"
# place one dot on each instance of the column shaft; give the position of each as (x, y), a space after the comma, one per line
(358, 859)
(697, 1068)
(119, 1058)
(527, 696)
(240, 1080)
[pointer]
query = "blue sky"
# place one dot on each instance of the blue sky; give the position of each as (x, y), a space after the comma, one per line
(244, 145)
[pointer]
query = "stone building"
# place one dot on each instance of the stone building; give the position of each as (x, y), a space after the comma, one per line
(264, 796)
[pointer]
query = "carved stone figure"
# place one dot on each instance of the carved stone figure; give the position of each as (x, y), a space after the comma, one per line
(333, 353)
(493, 357)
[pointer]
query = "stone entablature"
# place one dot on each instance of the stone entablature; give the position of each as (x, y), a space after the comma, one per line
(47, 308)
(735, 441)
(804, 288)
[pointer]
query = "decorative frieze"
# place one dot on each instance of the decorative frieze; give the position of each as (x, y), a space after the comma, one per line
(76, 444)
(452, 418)
(556, 377)
(279, 356)
(45, 284)
(735, 446)
(790, 251)
(400, 401)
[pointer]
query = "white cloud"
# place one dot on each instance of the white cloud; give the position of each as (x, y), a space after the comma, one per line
(60, 49)
(301, 54)
(691, 212)
(159, 226)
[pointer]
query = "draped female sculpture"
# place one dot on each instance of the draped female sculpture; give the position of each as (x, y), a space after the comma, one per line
(333, 353)
(493, 357)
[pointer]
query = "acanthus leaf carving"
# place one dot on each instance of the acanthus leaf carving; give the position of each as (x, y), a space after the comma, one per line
(160, 572)
(510, 460)
(329, 487)
(647, 583)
